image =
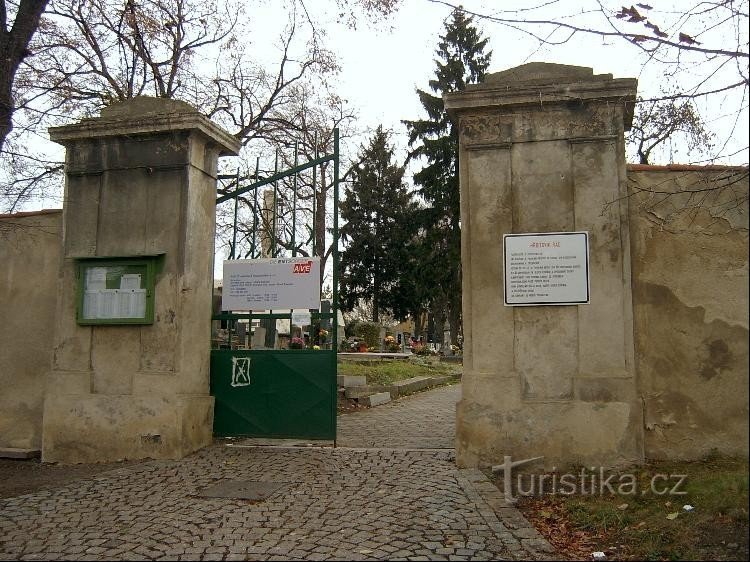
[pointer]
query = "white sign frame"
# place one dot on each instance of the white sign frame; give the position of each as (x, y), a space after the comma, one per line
(271, 284)
(568, 248)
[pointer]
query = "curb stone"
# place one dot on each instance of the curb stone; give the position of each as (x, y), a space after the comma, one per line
(478, 487)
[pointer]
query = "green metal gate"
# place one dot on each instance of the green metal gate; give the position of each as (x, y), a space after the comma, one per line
(279, 393)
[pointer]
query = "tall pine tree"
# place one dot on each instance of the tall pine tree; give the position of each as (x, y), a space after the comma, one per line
(379, 212)
(461, 60)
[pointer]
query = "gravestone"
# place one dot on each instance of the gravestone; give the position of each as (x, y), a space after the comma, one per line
(259, 338)
(241, 328)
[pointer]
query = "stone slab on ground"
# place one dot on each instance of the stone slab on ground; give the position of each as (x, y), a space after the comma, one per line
(451, 358)
(269, 442)
(414, 384)
(360, 392)
(377, 399)
(375, 356)
(397, 389)
(351, 380)
(15, 453)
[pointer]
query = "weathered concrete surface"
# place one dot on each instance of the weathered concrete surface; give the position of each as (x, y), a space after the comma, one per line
(125, 427)
(542, 150)
(690, 296)
(140, 180)
(351, 380)
(30, 258)
(15, 453)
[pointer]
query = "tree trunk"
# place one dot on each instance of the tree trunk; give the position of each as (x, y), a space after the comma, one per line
(438, 314)
(454, 319)
(14, 48)
(418, 324)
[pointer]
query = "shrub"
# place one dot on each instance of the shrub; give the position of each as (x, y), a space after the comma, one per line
(369, 332)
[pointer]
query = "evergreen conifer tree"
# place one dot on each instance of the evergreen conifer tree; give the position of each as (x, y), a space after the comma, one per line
(378, 211)
(461, 60)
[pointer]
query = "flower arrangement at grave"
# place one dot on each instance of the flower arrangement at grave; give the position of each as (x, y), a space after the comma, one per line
(391, 344)
(422, 349)
(297, 343)
(322, 335)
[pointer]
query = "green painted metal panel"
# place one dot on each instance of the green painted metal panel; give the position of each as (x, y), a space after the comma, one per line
(274, 393)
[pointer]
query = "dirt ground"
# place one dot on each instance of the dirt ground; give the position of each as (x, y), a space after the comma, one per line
(18, 477)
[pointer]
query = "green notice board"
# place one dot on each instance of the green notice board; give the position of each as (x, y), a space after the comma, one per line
(116, 291)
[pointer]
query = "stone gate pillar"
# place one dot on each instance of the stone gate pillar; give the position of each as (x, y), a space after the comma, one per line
(140, 184)
(542, 150)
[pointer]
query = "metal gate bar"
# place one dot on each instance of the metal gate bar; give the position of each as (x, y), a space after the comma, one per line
(279, 393)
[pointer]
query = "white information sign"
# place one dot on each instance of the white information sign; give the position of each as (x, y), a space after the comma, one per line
(549, 268)
(273, 283)
(301, 317)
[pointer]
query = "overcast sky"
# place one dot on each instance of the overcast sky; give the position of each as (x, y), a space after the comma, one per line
(382, 65)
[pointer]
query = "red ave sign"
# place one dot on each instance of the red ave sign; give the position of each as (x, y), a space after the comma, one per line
(303, 267)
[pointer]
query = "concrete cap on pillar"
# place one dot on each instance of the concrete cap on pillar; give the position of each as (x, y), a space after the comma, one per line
(146, 115)
(540, 83)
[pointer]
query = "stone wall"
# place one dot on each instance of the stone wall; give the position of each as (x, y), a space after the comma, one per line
(656, 364)
(140, 181)
(542, 150)
(690, 301)
(29, 261)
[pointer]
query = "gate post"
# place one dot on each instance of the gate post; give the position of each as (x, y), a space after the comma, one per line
(141, 185)
(542, 150)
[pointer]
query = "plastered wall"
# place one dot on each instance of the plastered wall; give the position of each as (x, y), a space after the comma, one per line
(29, 262)
(690, 307)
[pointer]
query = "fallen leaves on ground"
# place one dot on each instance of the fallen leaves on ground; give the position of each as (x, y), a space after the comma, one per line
(548, 515)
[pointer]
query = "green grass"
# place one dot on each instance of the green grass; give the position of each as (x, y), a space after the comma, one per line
(388, 372)
(716, 529)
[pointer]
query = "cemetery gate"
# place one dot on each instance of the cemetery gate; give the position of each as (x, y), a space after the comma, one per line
(269, 381)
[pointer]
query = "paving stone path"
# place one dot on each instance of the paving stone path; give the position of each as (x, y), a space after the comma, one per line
(335, 504)
(425, 420)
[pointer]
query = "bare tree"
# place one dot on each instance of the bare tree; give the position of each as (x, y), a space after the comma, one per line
(92, 53)
(14, 45)
(703, 45)
(306, 125)
(656, 123)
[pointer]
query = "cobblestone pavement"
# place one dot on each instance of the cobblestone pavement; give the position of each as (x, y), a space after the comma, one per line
(425, 420)
(336, 504)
